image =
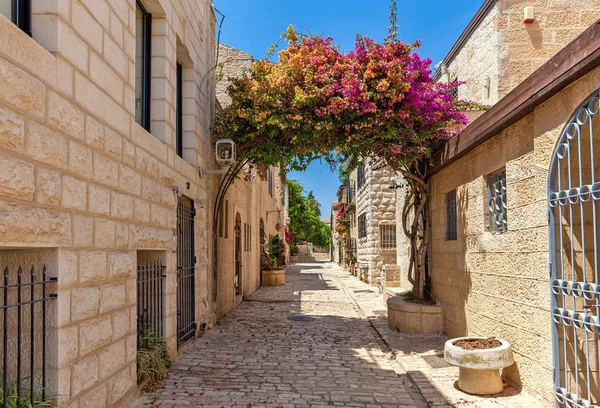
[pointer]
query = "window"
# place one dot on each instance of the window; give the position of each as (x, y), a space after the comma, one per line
(143, 52)
(19, 12)
(262, 232)
(362, 226)
(496, 186)
(221, 220)
(179, 112)
(454, 91)
(451, 216)
(387, 237)
(270, 181)
(360, 176)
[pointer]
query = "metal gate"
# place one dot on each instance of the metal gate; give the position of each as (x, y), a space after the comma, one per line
(238, 254)
(186, 261)
(574, 214)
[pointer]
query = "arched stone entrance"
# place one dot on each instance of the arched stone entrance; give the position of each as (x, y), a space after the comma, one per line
(574, 238)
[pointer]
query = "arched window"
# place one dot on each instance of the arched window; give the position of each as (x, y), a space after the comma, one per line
(262, 232)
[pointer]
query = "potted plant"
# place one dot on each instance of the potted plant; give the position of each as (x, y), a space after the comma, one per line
(480, 361)
(271, 265)
(408, 313)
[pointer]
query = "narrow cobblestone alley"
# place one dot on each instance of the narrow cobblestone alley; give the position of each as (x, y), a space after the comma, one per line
(258, 355)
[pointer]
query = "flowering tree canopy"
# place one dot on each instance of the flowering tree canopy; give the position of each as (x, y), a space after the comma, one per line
(317, 102)
(378, 101)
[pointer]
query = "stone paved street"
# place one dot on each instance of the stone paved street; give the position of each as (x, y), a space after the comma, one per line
(341, 356)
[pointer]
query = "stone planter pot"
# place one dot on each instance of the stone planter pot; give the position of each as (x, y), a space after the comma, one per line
(414, 318)
(273, 278)
(479, 369)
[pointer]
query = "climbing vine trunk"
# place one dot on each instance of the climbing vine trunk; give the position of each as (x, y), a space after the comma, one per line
(227, 181)
(416, 225)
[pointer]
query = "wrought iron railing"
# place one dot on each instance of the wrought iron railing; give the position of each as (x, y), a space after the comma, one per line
(150, 300)
(25, 331)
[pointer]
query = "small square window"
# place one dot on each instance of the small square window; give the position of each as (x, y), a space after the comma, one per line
(496, 186)
(387, 236)
(451, 233)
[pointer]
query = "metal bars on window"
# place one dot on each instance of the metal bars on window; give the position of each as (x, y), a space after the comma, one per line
(186, 264)
(496, 186)
(362, 226)
(574, 234)
(261, 227)
(351, 247)
(451, 227)
(25, 315)
(387, 236)
(150, 300)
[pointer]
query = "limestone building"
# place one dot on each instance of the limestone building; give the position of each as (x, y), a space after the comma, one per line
(106, 220)
(502, 242)
(253, 209)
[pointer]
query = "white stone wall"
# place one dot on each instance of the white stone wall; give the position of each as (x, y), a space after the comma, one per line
(78, 174)
(478, 60)
(378, 201)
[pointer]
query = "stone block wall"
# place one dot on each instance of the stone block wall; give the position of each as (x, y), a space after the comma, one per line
(378, 201)
(505, 50)
(78, 174)
(497, 284)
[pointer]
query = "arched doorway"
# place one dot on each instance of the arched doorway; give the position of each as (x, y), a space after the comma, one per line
(574, 238)
(238, 255)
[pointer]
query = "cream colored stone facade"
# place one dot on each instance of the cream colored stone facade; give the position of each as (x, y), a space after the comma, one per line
(85, 184)
(250, 198)
(497, 284)
(376, 199)
(502, 50)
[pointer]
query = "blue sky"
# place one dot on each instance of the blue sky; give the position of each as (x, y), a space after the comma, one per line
(253, 25)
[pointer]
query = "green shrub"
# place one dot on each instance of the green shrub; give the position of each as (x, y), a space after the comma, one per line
(153, 360)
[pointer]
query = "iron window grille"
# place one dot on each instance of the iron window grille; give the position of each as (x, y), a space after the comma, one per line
(179, 112)
(496, 186)
(143, 51)
(150, 301)
(351, 247)
(387, 236)
(186, 266)
(360, 177)
(451, 233)
(24, 320)
(362, 226)
(454, 91)
(19, 12)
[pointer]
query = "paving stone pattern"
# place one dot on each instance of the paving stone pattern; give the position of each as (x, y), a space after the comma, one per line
(257, 357)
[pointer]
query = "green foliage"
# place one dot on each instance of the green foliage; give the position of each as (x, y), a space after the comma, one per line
(153, 360)
(272, 257)
(25, 400)
(305, 216)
